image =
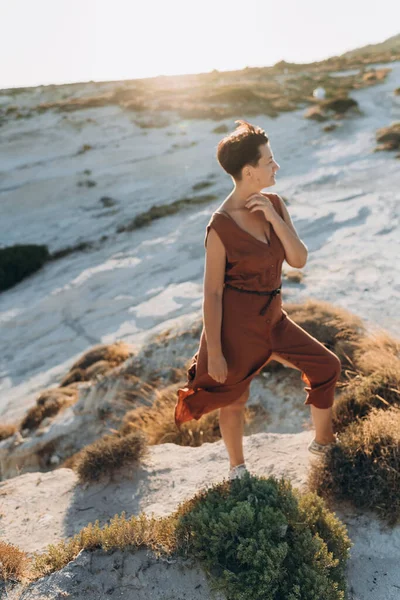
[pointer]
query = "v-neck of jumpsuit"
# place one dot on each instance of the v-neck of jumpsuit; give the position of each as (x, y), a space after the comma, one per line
(268, 243)
(251, 265)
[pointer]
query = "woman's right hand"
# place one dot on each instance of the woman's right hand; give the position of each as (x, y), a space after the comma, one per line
(217, 367)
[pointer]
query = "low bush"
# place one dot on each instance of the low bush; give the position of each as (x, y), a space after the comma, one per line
(20, 261)
(364, 468)
(374, 379)
(108, 454)
(259, 538)
(340, 104)
(14, 563)
(363, 393)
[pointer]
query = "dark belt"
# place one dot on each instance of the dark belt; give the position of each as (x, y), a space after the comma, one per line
(272, 294)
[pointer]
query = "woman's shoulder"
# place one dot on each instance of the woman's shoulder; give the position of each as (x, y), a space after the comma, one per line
(219, 223)
(216, 218)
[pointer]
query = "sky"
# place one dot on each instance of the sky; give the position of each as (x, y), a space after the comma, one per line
(63, 41)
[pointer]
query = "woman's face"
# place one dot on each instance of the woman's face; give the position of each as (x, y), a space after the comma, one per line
(267, 166)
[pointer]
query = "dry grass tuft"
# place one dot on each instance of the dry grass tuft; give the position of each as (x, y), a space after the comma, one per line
(377, 352)
(108, 454)
(14, 562)
(363, 393)
(373, 381)
(158, 424)
(364, 467)
(48, 404)
(157, 534)
(335, 327)
(7, 431)
(388, 138)
(97, 360)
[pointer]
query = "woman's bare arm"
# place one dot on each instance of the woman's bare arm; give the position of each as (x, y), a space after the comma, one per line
(213, 287)
(296, 252)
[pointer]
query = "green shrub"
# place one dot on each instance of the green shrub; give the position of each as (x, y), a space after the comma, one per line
(260, 539)
(19, 261)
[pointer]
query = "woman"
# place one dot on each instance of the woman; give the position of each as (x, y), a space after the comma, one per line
(244, 325)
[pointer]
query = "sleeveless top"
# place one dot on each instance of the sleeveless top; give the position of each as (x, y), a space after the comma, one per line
(250, 263)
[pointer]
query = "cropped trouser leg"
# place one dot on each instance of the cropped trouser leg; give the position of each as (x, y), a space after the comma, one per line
(320, 367)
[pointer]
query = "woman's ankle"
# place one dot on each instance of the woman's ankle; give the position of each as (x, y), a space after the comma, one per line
(325, 440)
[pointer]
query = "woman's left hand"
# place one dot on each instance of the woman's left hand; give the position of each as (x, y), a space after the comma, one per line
(261, 202)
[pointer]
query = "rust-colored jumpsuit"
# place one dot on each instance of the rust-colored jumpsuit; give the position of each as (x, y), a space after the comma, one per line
(253, 327)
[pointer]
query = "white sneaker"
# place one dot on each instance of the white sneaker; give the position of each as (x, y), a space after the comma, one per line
(322, 449)
(238, 471)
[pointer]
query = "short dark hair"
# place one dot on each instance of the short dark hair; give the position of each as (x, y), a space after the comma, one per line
(240, 148)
